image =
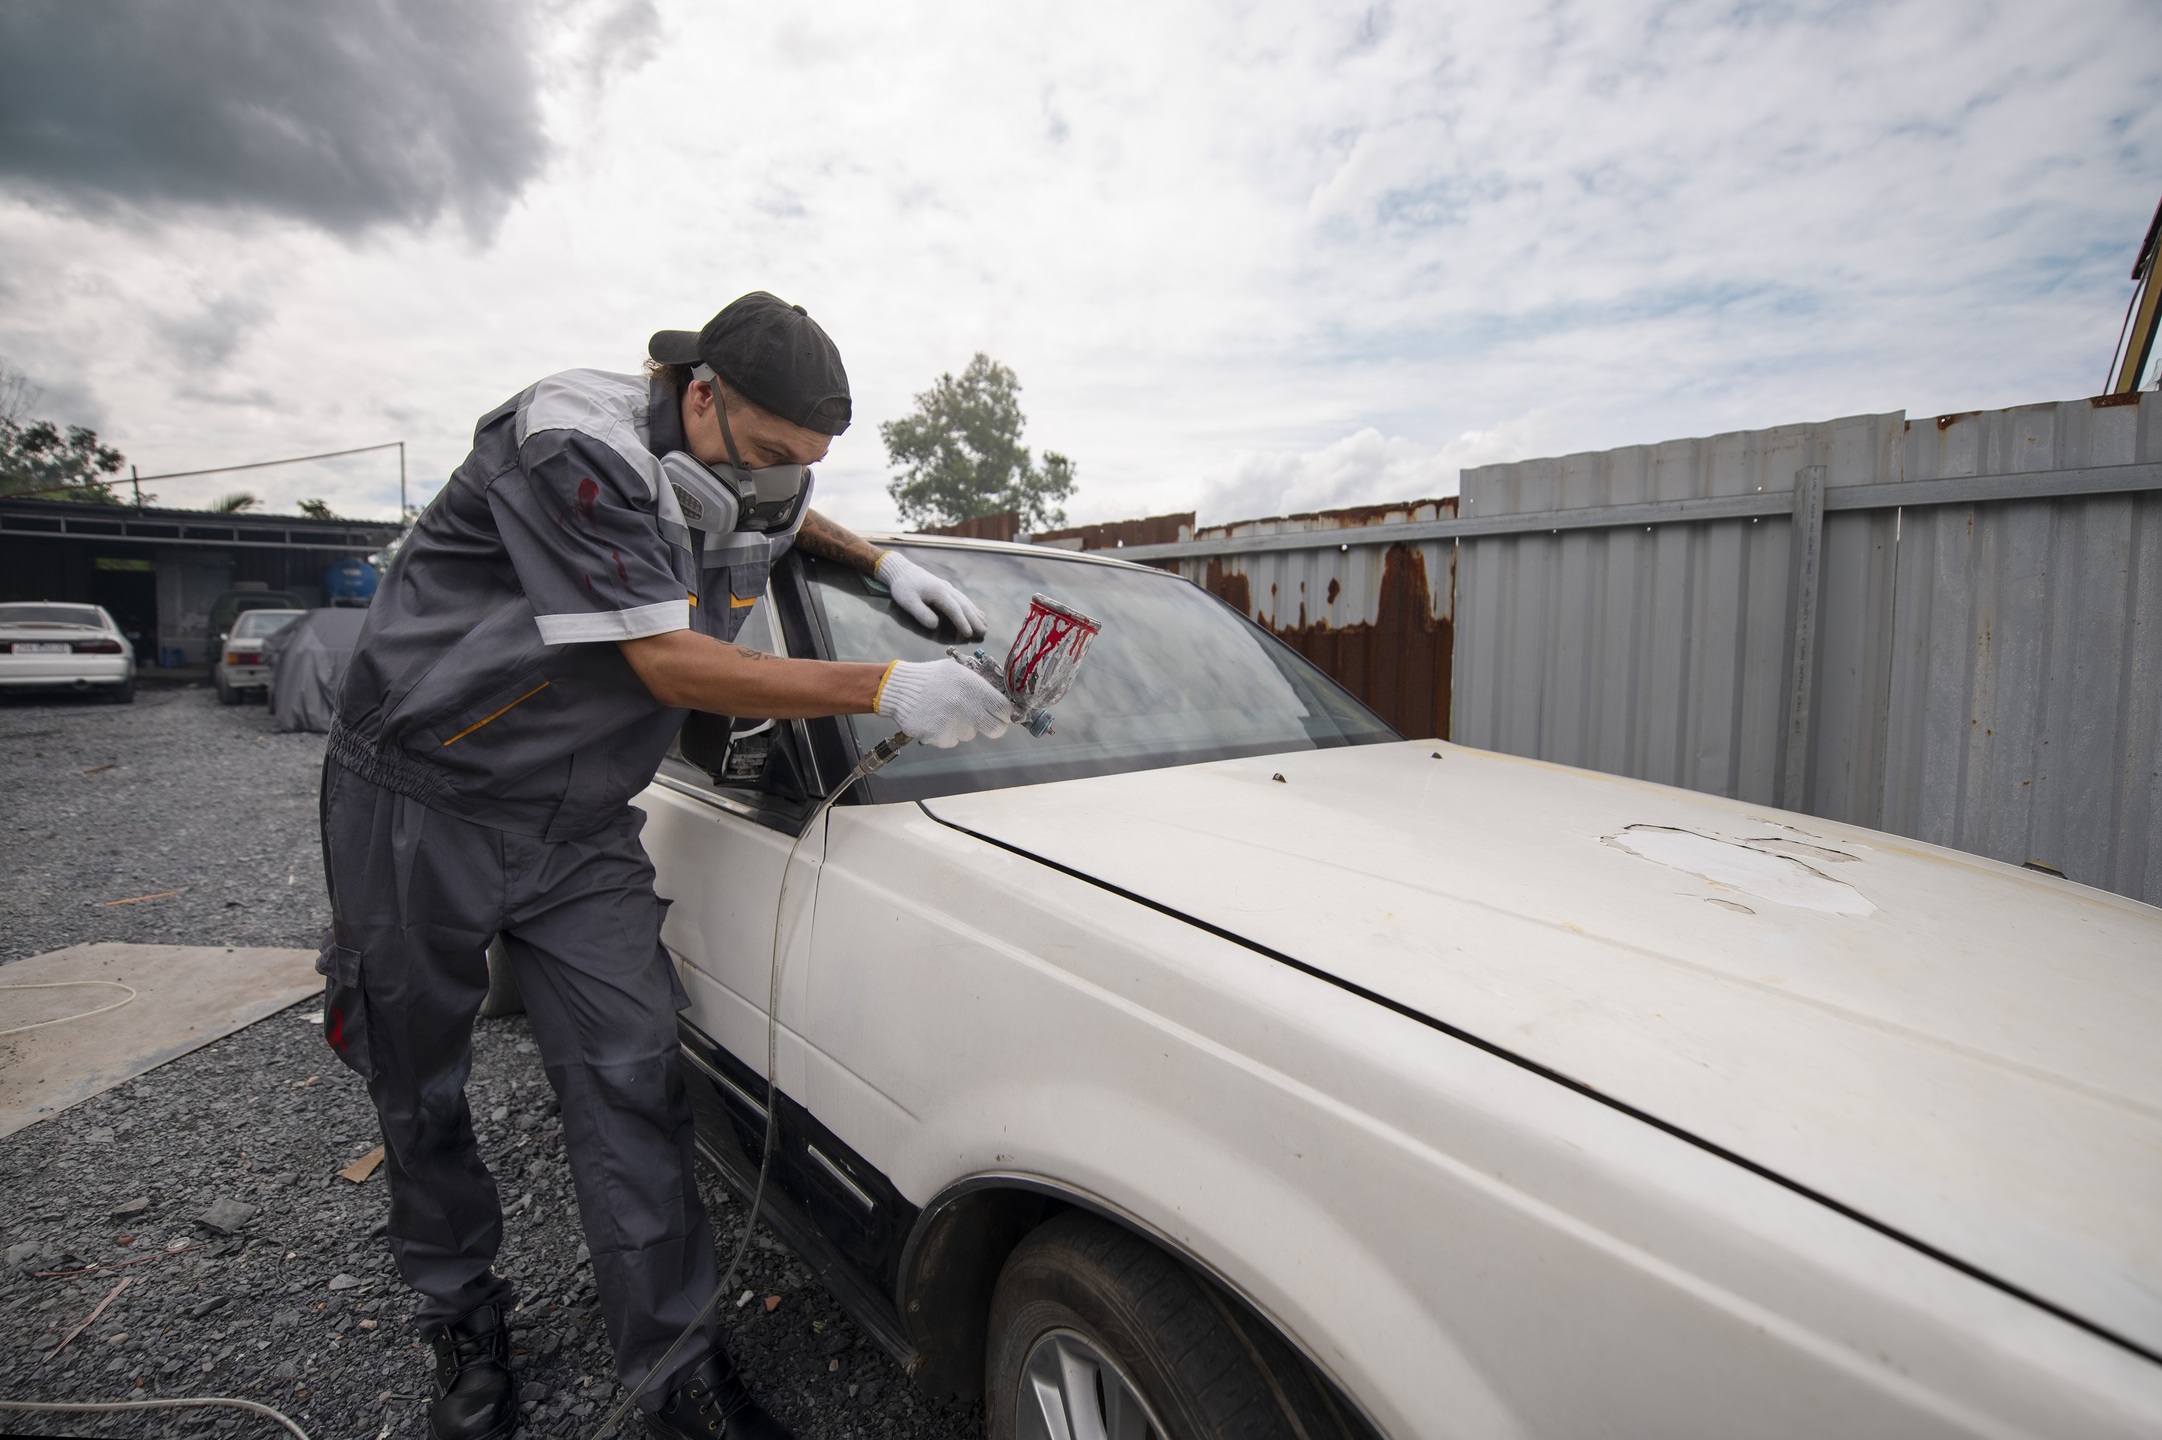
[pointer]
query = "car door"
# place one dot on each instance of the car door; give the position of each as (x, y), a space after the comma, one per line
(720, 833)
(720, 829)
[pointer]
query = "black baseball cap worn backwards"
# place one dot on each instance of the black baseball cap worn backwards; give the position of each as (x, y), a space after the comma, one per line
(773, 354)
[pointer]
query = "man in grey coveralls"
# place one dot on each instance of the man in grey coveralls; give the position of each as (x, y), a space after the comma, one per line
(533, 649)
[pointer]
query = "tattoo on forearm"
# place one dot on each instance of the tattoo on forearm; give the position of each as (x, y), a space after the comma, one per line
(826, 540)
(749, 654)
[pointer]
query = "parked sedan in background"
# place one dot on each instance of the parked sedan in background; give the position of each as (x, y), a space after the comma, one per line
(239, 668)
(48, 645)
(234, 603)
(1224, 1064)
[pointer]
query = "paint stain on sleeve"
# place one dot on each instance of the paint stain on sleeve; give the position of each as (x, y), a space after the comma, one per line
(621, 573)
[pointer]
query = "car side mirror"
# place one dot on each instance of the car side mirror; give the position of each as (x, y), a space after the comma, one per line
(778, 770)
(738, 752)
(704, 741)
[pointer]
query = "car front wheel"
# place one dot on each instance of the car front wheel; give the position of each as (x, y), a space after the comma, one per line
(1096, 1332)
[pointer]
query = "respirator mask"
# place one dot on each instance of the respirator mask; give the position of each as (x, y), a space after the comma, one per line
(724, 499)
(721, 500)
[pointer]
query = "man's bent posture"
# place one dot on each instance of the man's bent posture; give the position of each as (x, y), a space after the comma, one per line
(531, 654)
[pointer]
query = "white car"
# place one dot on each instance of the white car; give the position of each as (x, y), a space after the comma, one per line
(1222, 1064)
(239, 669)
(54, 645)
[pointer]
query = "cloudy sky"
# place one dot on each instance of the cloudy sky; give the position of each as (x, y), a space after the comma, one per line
(1244, 257)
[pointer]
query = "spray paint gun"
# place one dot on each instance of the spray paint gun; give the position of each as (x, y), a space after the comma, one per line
(1039, 670)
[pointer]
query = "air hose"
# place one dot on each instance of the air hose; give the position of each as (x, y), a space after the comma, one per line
(876, 760)
(191, 1403)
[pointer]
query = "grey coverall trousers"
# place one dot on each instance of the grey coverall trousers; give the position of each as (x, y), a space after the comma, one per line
(417, 894)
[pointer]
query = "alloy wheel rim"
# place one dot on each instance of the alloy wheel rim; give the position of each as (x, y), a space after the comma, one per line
(1071, 1390)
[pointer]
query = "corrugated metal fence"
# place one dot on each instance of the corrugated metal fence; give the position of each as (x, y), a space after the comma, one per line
(1958, 640)
(1946, 628)
(2025, 708)
(1661, 641)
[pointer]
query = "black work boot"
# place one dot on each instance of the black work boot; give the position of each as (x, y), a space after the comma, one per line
(712, 1404)
(475, 1396)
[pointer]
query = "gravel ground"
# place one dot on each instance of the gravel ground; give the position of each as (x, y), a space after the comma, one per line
(298, 1307)
(175, 792)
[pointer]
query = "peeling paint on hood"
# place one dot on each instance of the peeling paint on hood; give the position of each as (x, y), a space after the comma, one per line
(1758, 872)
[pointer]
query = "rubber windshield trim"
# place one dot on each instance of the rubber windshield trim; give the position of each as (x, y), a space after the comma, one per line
(1590, 1092)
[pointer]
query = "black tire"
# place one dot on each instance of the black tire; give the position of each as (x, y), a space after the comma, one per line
(227, 695)
(1204, 1365)
(123, 693)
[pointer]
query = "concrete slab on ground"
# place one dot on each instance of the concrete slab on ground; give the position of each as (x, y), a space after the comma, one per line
(185, 997)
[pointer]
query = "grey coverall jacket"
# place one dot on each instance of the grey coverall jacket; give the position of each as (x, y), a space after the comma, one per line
(489, 740)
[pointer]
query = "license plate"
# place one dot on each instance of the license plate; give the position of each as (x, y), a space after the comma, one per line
(41, 647)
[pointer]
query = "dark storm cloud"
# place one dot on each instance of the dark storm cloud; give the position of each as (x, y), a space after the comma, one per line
(348, 115)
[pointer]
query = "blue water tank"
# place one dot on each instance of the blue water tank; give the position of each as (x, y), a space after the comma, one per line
(350, 581)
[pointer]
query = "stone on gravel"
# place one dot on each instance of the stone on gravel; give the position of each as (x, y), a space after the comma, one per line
(32, 1256)
(132, 1207)
(225, 1215)
(343, 1281)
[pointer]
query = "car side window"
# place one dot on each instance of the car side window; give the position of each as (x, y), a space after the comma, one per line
(752, 767)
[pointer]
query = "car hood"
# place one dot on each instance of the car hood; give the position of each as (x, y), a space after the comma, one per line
(1959, 1050)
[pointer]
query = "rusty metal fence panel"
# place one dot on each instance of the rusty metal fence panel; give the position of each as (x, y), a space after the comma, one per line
(1378, 618)
(2026, 699)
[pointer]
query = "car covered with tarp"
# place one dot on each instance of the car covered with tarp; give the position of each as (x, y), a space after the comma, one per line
(307, 662)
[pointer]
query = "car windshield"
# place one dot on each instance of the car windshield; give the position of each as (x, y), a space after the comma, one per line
(18, 614)
(1176, 677)
(256, 624)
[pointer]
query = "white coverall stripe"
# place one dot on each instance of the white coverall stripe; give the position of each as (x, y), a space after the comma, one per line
(635, 623)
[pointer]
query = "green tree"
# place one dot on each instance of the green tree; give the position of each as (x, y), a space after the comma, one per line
(237, 503)
(318, 510)
(39, 459)
(960, 454)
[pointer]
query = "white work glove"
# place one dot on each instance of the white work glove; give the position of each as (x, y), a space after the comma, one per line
(926, 597)
(942, 702)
